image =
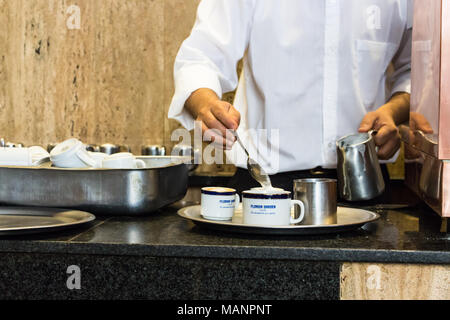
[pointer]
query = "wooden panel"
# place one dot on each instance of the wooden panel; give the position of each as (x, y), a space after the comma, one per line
(108, 81)
(366, 281)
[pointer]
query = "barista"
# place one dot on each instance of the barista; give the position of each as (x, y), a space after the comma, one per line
(313, 71)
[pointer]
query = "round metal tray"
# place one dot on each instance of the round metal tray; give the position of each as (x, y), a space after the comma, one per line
(21, 220)
(348, 219)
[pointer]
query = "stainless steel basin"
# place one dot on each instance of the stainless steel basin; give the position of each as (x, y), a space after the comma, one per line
(101, 191)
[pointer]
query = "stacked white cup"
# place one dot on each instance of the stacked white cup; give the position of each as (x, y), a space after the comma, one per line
(72, 153)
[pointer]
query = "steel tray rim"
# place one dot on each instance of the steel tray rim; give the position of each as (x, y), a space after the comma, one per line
(178, 160)
(234, 227)
(87, 217)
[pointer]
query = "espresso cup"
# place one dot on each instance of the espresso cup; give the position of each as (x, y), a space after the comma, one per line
(71, 154)
(320, 199)
(218, 203)
(270, 207)
(122, 160)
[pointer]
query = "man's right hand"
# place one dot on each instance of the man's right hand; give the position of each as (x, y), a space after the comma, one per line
(215, 115)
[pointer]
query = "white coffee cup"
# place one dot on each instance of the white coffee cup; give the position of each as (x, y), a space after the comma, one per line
(122, 160)
(270, 207)
(71, 153)
(15, 157)
(218, 203)
(38, 155)
(98, 157)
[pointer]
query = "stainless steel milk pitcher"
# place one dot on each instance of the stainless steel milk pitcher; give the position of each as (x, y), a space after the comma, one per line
(358, 168)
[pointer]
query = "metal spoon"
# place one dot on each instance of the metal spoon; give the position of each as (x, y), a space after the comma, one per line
(256, 171)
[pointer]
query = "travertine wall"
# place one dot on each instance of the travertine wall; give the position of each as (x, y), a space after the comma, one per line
(108, 81)
(371, 281)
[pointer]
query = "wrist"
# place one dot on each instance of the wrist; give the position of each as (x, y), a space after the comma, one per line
(397, 108)
(388, 110)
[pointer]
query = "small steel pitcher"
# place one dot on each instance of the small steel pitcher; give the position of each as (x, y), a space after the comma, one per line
(359, 172)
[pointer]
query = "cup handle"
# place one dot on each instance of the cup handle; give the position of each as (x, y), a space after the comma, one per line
(140, 164)
(237, 201)
(302, 211)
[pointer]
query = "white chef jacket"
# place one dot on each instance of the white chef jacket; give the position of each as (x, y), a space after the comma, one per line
(312, 70)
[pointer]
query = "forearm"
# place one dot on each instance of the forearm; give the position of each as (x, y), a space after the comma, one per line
(398, 107)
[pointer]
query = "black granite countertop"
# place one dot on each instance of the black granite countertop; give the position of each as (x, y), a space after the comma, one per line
(409, 235)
